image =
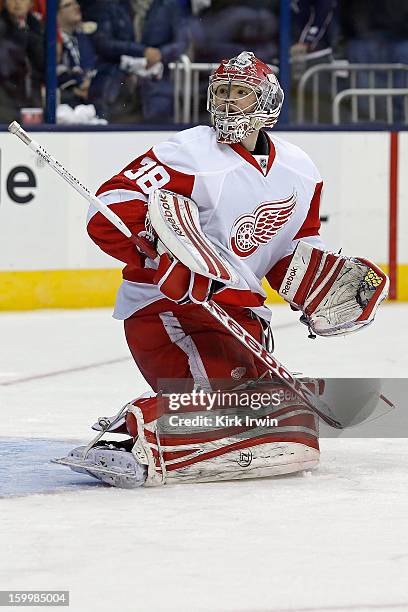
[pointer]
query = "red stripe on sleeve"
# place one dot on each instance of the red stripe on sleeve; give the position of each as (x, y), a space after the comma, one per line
(310, 227)
(276, 274)
(133, 212)
(311, 224)
(111, 240)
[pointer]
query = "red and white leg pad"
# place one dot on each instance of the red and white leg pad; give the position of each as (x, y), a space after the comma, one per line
(203, 445)
(282, 440)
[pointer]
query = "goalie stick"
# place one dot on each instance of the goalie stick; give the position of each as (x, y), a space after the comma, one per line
(16, 129)
(270, 361)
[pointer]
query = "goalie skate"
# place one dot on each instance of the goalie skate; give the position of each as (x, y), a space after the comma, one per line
(118, 468)
(109, 462)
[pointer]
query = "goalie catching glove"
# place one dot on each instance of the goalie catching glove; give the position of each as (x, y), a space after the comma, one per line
(337, 294)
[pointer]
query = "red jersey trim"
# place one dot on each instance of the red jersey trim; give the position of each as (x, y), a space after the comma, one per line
(272, 153)
(135, 195)
(242, 152)
(138, 275)
(236, 297)
(179, 182)
(311, 225)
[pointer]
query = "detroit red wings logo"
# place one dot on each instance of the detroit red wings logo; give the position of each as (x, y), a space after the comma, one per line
(249, 232)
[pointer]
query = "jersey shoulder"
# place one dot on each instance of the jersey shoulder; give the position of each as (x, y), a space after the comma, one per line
(292, 156)
(195, 151)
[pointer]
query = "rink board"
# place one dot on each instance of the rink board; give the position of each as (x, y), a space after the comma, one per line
(47, 259)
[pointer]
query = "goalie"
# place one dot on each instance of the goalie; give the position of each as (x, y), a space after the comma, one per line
(251, 210)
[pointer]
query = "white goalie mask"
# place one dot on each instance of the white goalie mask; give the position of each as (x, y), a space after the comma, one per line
(236, 114)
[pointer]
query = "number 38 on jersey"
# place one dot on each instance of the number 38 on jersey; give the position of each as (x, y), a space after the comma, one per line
(150, 176)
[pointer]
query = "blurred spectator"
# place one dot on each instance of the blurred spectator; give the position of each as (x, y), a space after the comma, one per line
(39, 8)
(21, 59)
(76, 67)
(151, 29)
(376, 32)
(85, 6)
(228, 27)
(313, 25)
(194, 7)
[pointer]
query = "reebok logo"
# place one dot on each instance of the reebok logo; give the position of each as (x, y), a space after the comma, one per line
(289, 281)
(169, 216)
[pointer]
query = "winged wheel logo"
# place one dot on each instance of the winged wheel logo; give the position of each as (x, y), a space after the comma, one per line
(251, 231)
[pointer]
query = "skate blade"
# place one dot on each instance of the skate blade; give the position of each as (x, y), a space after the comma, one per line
(123, 479)
(91, 467)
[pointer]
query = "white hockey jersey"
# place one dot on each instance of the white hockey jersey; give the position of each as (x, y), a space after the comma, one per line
(252, 210)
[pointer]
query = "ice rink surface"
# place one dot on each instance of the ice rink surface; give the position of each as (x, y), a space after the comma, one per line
(333, 540)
